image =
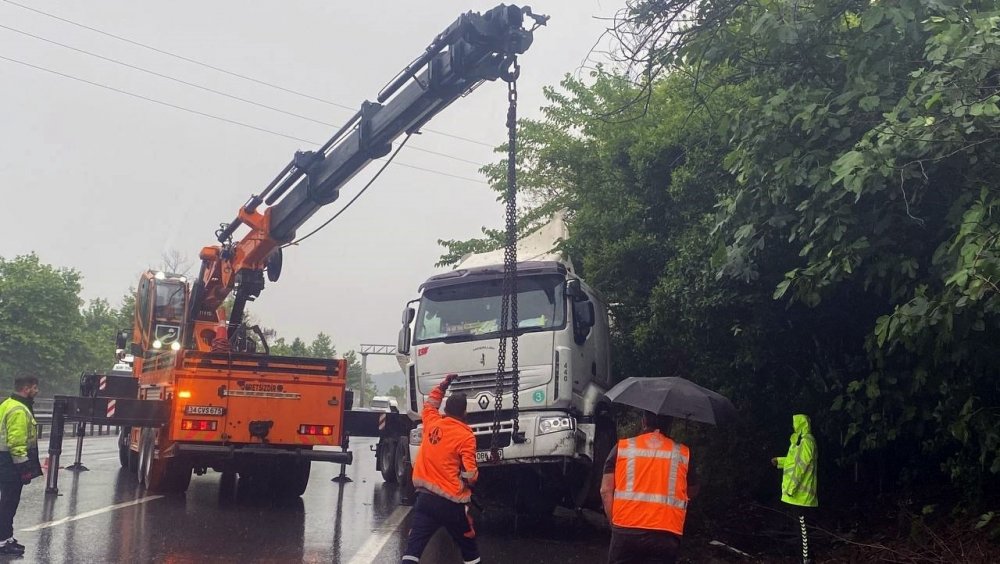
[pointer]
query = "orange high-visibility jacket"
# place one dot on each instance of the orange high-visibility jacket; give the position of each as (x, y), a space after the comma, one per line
(651, 483)
(446, 461)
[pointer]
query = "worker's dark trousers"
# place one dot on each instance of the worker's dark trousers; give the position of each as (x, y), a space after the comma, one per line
(431, 512)
(800, 514)
(10, 498)
(640, 546)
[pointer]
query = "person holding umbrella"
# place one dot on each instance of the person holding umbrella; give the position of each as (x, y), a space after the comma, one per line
(645, 490)
(798, 481)
(647, 480)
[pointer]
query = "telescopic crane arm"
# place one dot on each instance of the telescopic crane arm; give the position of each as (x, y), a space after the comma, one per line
(475, 48)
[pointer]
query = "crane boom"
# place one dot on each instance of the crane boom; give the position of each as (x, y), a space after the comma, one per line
(475, 48)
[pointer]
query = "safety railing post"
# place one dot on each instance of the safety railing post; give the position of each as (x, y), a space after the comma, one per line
(55, 447)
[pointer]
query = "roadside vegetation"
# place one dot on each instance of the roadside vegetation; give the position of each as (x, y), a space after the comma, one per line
(796, 203)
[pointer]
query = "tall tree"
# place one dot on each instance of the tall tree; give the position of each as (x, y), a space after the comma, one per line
(40, 322)
(322, 347)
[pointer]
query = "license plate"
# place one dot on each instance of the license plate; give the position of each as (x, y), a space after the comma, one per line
(485, 455)
(210, 410)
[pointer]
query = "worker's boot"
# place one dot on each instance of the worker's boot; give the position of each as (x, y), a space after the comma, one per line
(11, 546)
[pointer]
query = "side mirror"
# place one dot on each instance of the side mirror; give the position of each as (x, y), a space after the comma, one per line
(575, 291)
(121, 339)
(403, 345)
(408, 315)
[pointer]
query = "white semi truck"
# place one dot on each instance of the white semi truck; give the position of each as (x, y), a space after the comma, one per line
(564, 432)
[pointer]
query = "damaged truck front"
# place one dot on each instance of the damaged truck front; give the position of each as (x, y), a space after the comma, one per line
(554, 433)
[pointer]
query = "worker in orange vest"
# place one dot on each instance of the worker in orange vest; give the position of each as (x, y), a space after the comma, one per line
(442, 474)
(645, 490)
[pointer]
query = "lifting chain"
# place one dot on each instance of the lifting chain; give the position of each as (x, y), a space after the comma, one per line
(508, 302)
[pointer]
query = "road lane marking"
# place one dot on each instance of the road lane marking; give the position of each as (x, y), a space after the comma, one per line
(108, 458)
(380, 535)
(90, 513)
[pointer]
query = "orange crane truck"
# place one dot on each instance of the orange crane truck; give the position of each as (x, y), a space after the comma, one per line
(209, 395)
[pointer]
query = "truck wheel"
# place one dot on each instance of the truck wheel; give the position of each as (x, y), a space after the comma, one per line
(145, 455)
(162, 475)
(123, 450)
(292, 478)
(133, 461)
(532, 498)
(404, 472)
(168, 475)
(604, 440)
(387, 459)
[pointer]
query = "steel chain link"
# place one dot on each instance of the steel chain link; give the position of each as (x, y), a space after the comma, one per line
(508, 301)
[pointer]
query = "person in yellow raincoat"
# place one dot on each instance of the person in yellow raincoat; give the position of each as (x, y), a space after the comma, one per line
(798, 482)
(18, 456)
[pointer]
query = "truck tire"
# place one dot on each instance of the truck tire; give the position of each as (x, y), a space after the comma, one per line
(291, 478)
(168, 476)
(133, 461)
(533, 498)
(123, 444)
(386, 451)
(145, 454)
(605, 438)
(404, 472)
(162, 475)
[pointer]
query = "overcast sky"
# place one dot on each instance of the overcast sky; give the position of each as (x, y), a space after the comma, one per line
(106, 183)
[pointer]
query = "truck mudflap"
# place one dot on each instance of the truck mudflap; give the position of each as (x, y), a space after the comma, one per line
(232, 451)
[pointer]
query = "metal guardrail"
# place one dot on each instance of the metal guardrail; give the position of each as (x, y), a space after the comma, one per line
(44, 421)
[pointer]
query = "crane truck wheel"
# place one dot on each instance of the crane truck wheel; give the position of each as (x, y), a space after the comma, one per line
(291, 478)
(145, 454)
(162, 475)
(124, 453)
(387, 459)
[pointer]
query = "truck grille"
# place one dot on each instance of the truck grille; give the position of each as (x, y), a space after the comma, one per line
(475, 383)
(484, 434)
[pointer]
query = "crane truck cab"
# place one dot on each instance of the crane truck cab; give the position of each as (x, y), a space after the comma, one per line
(563, 431)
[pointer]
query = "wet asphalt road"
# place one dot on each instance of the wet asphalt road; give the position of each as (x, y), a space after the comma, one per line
(103, 516)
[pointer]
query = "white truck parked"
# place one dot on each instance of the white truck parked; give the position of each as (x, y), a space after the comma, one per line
(564, 432)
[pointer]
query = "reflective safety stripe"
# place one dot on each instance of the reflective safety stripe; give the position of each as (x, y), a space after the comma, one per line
(436, 490)
(476, 561)
(468, 475)
(652, 498)
(411, 558)
(798, 473)
(630, 453)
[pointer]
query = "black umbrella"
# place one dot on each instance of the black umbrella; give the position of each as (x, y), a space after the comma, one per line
(675, 397)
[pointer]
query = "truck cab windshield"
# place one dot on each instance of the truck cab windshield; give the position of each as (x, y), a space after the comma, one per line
(472, 310)
(169, 305)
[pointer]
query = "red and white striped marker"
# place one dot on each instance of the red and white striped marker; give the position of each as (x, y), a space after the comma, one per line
(381, 422)
(103, 384)
(111, 407)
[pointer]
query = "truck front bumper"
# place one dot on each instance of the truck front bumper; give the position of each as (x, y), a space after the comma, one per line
(573, 445)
